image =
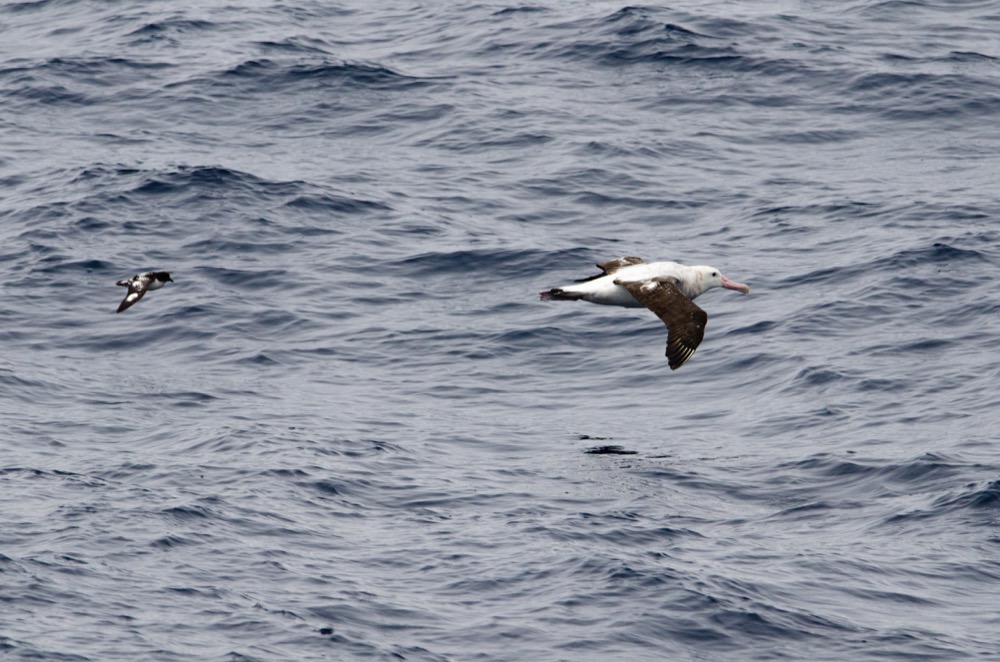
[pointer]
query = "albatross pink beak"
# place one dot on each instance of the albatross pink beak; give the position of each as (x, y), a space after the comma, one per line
(733, 285)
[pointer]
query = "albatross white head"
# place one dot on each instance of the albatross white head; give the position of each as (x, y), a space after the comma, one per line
(707, 278)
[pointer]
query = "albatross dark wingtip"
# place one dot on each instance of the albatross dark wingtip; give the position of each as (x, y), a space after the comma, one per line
(678, 354)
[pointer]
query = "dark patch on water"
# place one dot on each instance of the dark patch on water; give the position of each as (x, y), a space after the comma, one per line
(612, 449)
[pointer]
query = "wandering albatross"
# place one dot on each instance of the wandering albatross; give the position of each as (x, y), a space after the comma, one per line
(666, 288)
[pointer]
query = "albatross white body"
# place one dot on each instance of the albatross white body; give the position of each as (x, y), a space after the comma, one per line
(691, 281)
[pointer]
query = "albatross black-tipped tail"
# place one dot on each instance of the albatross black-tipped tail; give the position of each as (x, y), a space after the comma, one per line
(557, 294)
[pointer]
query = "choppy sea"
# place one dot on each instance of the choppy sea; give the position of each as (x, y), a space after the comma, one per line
(349, 429)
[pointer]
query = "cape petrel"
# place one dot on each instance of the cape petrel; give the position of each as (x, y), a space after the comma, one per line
(139, 284)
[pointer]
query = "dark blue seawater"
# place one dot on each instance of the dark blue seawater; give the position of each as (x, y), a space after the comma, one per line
(350, 430)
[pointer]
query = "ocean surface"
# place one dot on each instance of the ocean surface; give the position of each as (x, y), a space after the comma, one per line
(351, 430)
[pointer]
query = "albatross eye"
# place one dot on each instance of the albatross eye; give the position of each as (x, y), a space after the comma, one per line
(715, 274)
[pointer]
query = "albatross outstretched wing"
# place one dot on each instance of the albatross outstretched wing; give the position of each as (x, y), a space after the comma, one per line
(611, 266)
(685, 321)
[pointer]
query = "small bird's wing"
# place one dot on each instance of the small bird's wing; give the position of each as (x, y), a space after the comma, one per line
(685, 321)
(135, 292)
(611, 266)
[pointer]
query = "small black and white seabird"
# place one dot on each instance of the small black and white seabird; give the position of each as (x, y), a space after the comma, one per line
(666, 288)
(139, 284)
